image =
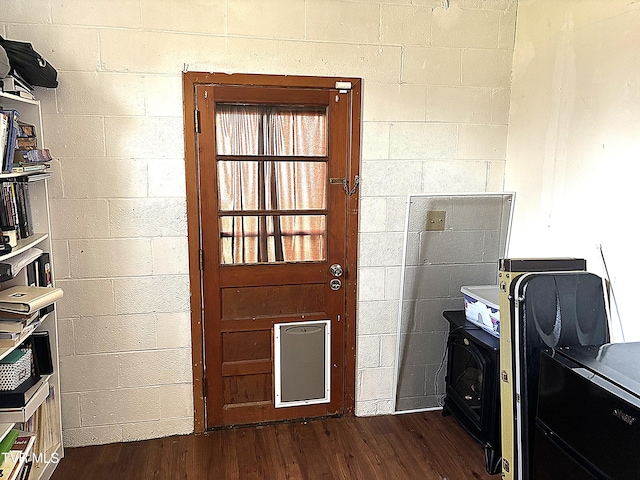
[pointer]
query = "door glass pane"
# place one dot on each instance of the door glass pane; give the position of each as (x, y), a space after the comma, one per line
(272, 187)
(246, 239)
(274, 130)
(259, 185)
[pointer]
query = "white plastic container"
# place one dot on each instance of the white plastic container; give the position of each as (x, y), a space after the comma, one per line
(482, 307)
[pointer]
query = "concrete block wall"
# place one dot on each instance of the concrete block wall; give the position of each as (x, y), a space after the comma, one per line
(436, 96)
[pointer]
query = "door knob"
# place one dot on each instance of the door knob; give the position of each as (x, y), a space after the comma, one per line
(336, 270)
(335, 284)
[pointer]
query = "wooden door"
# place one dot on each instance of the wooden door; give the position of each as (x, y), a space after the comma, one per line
(274, 166)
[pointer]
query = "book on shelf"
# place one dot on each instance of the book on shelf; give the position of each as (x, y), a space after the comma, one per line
(13, 339)
(25, 167)
(11, 138)
(44, 423)
(32, 274)
(27, 143)
(5, 125)
(23, 203)
(19, 145)
(7, 442)
(23, 472)
(27, 299)
(24, 442)
(27, 139)
(39, 275)
(15, 209)
(5, 428)
(9, 214)
(16, 322)
(45, 279)
(26, 130)
(37, 155)
(13, 83)
(16, 462)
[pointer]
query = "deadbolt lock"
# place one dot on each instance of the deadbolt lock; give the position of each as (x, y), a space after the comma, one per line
(335, 284)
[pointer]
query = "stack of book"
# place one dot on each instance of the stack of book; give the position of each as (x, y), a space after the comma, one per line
(27, 139)
(28, 157)
(15, 454)
(16, 85)
(19, 145)
(27, 299)
(16, 327)
(21, 307)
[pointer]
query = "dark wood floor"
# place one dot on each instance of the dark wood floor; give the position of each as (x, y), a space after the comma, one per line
(422, 446)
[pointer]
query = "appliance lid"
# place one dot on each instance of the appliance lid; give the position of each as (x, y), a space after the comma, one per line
(617, 362)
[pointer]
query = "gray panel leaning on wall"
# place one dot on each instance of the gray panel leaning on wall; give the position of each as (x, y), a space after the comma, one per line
(451, 240)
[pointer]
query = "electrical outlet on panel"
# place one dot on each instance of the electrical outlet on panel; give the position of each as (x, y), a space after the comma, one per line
(435, 220)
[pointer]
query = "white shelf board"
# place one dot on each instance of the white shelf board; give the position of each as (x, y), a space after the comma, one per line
(22, 414)
(16, 98)
(25, 244)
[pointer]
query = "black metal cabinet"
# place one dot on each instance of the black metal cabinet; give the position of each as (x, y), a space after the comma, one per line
(588, 409)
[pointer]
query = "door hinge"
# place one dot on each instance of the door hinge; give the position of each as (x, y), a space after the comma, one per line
(196, 114)
(201, 259)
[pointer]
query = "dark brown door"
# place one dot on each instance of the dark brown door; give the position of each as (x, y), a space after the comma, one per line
(274, 165)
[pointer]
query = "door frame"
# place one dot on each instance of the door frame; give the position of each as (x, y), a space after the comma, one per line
(189, 82)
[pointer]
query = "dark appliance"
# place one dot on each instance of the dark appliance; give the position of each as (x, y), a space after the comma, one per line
(546, 309)
(588, 419)
(472, 394)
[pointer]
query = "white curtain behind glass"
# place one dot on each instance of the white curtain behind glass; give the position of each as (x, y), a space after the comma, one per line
(256, 184)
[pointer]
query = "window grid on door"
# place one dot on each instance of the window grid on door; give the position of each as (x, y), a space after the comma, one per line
(272, 177)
